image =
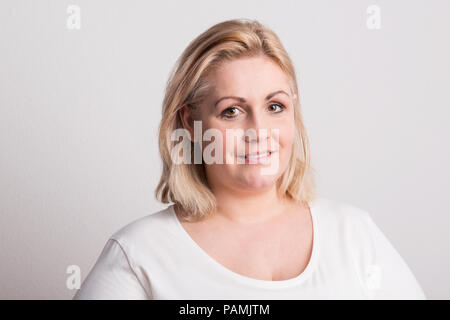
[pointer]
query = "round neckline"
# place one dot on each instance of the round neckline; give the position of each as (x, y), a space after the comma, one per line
(252, 281)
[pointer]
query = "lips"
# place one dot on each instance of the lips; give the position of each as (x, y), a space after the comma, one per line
(262, 158)
(258, 155)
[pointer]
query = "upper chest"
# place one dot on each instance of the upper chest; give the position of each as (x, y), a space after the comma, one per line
(277, 250)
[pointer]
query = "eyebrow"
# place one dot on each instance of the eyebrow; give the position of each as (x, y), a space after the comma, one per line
(240, 99)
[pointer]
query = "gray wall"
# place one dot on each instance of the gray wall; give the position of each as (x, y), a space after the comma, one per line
(80, 110)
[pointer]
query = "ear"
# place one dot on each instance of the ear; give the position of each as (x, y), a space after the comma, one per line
(186, 118)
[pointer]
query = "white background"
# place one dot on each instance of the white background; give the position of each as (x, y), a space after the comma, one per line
(80, 111)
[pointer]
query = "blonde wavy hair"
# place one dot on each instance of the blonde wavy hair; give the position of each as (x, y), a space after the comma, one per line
(185, 184)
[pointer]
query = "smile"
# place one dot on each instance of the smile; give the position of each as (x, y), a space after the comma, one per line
(258, 155)
(257, 158)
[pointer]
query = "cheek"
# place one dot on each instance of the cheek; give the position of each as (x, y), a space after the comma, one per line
(218, 142)
(286, 131)
(287, 139)
(289, 136)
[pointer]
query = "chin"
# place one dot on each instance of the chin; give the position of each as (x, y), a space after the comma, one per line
(258, 182)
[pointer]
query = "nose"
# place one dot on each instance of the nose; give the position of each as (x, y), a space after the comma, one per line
(256, 130)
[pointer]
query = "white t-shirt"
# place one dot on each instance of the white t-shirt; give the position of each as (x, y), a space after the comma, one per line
(154, 257)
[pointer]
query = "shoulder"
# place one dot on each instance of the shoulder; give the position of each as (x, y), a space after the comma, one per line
(350, 231)
(340, 222)
(152, 228)
(340, 212)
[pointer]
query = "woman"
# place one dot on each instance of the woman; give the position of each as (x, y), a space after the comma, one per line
(252, 228)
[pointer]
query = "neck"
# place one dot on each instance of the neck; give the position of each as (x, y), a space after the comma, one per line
(245, 207)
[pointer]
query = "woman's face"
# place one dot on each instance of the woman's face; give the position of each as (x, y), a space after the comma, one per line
(252, 79)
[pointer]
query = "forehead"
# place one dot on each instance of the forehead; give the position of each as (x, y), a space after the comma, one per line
(246, 76)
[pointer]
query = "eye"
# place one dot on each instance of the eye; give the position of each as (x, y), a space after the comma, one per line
(226, 115)
(278, 105)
